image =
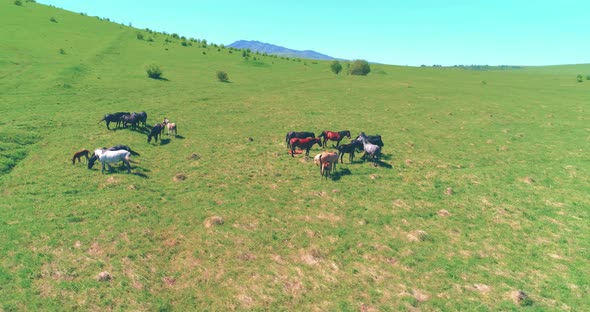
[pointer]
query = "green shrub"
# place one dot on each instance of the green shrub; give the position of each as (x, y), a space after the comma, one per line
(587, 77)
(336, 67)
(18, 2)
(580, 78)
(62, 51)
(139, 36)
(222, 76)
(52, 19)
(154, 71)
(359, 67)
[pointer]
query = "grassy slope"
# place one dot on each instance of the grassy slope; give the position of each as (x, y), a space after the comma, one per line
(289, 239)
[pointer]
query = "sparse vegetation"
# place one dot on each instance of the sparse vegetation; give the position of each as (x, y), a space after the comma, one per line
(139, 35)
(335, 67)
(154, 71)
(222, 76)
(359, 67)
(18, 2)
(580, 78)
(53, 20)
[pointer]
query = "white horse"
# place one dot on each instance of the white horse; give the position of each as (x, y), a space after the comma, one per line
(368, 147)
(110, 157)
(107, 157)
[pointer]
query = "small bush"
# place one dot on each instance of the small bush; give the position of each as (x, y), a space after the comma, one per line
(336, 67)
(580, 78)
(154, 71)
(587, 77)
(139, 36)
(222, 76)
(53, 20)
(62, 51)
(359, 67)
(18, 2)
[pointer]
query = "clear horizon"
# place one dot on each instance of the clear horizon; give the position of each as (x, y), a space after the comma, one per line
(422, 32)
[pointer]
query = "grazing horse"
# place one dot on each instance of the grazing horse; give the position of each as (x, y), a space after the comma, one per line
(348, 149)
(141, 117)
(170, 126)
(108, 157)
(306, 144)
(79, 155)
(133, 119)
(156, 131)
(299, 135)
(369, 148)
(116, 117)
(334, 136)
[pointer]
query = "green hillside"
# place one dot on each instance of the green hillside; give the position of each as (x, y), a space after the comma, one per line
(482, 190)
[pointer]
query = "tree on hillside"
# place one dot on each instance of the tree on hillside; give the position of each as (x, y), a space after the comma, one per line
(359, 67)
(336, 67)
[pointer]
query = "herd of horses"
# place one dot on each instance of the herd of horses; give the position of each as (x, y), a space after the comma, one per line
(327, 160)
(122, 153)
(369, 144)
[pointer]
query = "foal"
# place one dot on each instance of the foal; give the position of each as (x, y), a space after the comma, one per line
(170, 126)
(79, 155)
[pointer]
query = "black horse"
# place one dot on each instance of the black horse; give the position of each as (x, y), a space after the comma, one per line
(348, 149)
(115, 117)
(123, 147)
(156, 131)
(299, 135)
(141, 117)
(130, 119)
(373, 139)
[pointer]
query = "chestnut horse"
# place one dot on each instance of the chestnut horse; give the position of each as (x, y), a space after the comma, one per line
(299, 135)
(303, 144)
(334, 136)
(79, 155)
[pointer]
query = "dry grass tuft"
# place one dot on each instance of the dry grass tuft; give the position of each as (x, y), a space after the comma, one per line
(417, 236)
(104, 276)
(131, 188)
(482, 288)
(449, 191)
(312, 257)
(528, 180)
(443, 213)
(420, 295)
(409, 162)
(213, 221)
(194, 156)
(520, 297)
(169, 281)
(179, 177)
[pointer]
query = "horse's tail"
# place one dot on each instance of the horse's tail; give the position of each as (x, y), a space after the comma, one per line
(131, 160)
(134, 153)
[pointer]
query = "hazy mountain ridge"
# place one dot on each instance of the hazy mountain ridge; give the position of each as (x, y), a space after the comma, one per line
(268, 48)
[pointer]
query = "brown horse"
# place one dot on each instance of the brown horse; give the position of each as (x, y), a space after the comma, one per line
(79, 155)
(334, 136)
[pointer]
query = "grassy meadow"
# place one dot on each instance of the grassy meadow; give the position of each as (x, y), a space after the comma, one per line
(482, 191)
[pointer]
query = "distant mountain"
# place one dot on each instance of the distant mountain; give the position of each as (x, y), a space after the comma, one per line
(268, 48)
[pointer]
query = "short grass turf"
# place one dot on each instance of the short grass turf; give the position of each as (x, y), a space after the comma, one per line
(482, 190)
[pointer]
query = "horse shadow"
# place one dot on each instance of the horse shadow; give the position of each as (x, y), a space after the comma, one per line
(380, 163)
(180, 137)
(338, 175)
(165, 141)
(140, 174)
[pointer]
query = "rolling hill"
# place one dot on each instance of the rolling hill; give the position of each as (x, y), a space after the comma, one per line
(479, 201)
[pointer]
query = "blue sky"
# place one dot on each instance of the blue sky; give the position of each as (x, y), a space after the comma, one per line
(410, 32)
